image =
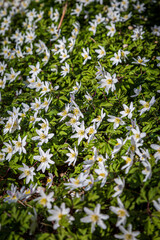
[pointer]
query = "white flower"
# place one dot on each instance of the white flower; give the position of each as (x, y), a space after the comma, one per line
(137, 134)
(44, 159)
(81, 133)
(72, 156)
(117, 58)
(120, 186)
(144, 154)
(78, 10)
(57, 214)
(128, 234)
(2, 67)
(99, 19)
(43, 136)
(117, 121)
(12, 76)
(147, 171)
(137, 91)
(108, 82)
(118, 146)
(157, 154)
(46, 87)
(101, 52)
(95, 217)
(65, 70)
(19, 145)
(35, 69)
(9, 149)
(45, 200)
(99, 118)
(156, 30)
(27, 172)
(141, 61)
(30, 36)
(124, 55)
(91, 131)
(88, 96)
(138, 32)
(102, 173)
(146, 105)
(85, 55)
(127, 110)
(13, 195)
(46, 103)
(78, 182)
(121, 212)
(3, 82)
(9, 126)
(73, 121)
(49, 180)
(156, 204)
(139, 7)
(129, 162)
(64, 113)
(93, 27)
(112, 30)
(64, 55)
(55, 16)
(36, 105)
(76, 88)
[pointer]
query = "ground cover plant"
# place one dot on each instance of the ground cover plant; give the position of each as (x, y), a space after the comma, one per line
(79, 104)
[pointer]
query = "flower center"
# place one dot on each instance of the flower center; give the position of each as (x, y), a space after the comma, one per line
(64, 113)
(98, 118)
(85, 56)
(49, 180)
(128, 236)
(121, 213)
(42, 136)
(72, 120)
(9, 149)
(117, 120)
(37, 105)
(94, 218)
(28, 191)
(99, 159)
(81, 132)
(14, 197)
(18, 144)
(127, 110)
(137, 136)
(91, 130)
(76, 111)
(60, 215)
(128, 160)
(146, 105)
(43, 201)
(73, 155)
(102, 175)
(27, 172)
(8, 125)
(43, 159)
(132, 148)
(76, 182)
(109, 81)
(32, 118)
(44, 125)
